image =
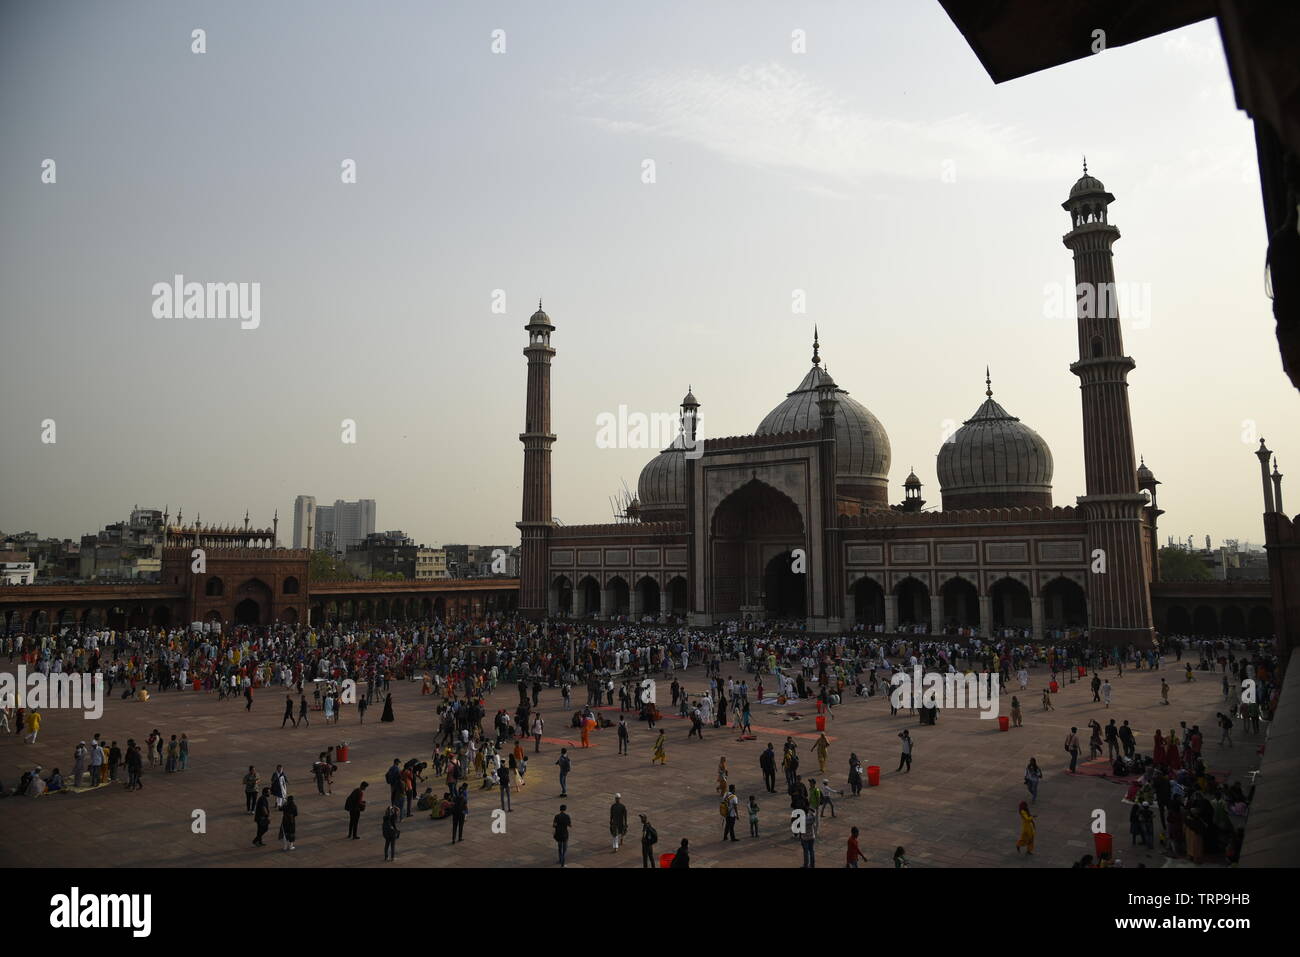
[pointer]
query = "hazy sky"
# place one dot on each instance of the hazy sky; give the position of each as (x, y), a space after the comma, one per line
(915, 203)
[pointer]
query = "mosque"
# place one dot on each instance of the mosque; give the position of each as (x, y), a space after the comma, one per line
(794, 521)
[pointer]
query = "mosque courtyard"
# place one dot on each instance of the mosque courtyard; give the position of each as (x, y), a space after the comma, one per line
(956, 808)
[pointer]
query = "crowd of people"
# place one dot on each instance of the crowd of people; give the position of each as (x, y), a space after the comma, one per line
(459, 663)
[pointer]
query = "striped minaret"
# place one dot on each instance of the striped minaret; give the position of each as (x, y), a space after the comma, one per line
(535, 526)
(1119, 589)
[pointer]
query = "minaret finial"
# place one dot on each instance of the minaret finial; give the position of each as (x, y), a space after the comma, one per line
(539, 303)
(816, 348)
(1085, 166)
(988, 385)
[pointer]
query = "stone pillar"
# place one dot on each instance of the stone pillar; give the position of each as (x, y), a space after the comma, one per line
(936, 613)
(891, 612)
(986, 615)
(1036, 615)
(634, 603)
(606, 602)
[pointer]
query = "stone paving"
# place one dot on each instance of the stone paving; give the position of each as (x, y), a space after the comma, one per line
(956, 808)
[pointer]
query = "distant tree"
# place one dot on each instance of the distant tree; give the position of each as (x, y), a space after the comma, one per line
(324, 567)
(1180, 565)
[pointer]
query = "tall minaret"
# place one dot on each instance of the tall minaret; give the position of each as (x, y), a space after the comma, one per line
(1119, 590)
(535, 526)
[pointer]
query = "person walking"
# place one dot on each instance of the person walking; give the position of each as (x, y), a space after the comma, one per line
(561, 825)
(459, 810)
(262, 816)
(1017, 717)
(289, 823)
(1226, 724)
(821, 746)
(320, 771)
(753, 817)
(503, 777)
(538, 725)
(618, 820)
(392, 832)
(354, 805)
(251, 784)
(808, 841)
(1164, 691)
(855, 775)
(288, 712)
(767, 761)
(184, 753)
(565, 765)
(1072, 748)
(134, 766)
(79, 756)
(733, 812)
(97, 770)
(1094, 739)
(905, 758)
(622, 735)
(1033, 775)
(33, 726)
(855, 851)
(660, 752)
(1026, 839)
(279, 785)
(649, 838)
(828, 795)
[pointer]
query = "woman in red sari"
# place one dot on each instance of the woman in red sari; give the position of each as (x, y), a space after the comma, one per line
(1158, 749)
(1172, 758)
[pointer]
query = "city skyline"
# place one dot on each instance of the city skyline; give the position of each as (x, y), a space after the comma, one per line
(406, 267)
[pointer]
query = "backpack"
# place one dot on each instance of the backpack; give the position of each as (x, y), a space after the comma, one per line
(651, 836)
(722, 808)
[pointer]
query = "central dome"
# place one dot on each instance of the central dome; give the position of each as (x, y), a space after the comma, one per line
(861, 445)
(994, 461)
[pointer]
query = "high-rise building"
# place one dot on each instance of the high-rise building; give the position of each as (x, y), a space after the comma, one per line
(304, 521)
(335, 527)
(353, 521)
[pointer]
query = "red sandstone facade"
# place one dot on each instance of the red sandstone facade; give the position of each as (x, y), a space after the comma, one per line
(777, 523)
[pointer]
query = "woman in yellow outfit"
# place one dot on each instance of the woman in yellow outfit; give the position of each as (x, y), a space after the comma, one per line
(661, 751)
(1026, 830)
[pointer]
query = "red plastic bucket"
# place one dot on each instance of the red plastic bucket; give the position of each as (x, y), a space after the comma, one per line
(873, 775)
(1054, 687)
(342, 755)
(821, 722)
(666, 860)
(1004, 723)
(1083, 672)
(1102, 843)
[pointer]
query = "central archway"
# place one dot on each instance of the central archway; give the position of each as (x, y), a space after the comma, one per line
(248, 612)
(750, 530)
(784, 590)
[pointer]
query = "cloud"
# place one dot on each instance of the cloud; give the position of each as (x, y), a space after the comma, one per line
(771, 117)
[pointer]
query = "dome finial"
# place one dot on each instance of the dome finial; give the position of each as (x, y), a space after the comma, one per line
(1085, 166)
(988, 383)
(816, 348)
